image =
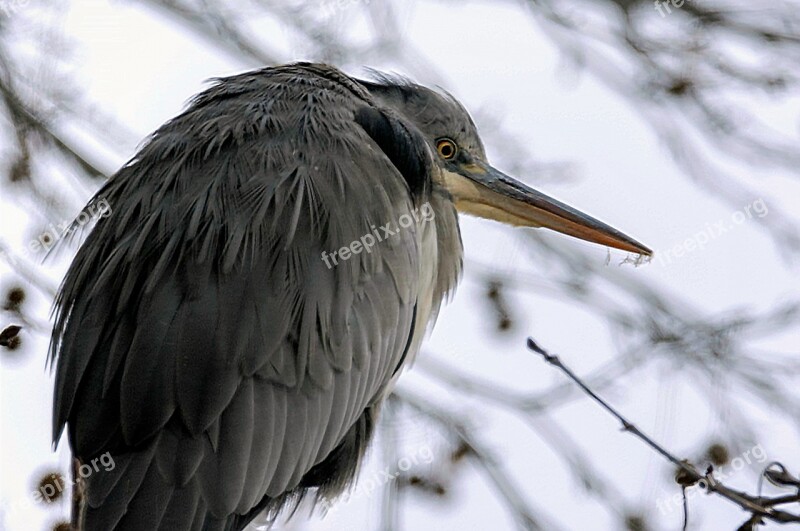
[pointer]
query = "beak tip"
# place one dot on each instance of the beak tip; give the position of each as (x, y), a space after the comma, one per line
(638, 248)
(494, 195)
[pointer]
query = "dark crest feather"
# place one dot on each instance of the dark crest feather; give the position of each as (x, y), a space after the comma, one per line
(405, 148)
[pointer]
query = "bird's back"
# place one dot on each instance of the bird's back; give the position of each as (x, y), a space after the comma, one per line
(203, 341)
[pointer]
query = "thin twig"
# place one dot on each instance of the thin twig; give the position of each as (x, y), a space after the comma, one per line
(745, 501)
(685, 509)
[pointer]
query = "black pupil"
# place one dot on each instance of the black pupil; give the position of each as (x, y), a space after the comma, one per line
(446, 149)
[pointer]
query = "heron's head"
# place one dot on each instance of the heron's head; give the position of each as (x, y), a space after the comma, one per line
(476, 187)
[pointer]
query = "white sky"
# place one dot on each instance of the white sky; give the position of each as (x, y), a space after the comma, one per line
(139, 68)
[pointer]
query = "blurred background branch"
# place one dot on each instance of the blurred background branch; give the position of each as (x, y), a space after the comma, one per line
(708, 78)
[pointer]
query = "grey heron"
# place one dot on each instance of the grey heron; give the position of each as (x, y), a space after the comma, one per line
(202, 338)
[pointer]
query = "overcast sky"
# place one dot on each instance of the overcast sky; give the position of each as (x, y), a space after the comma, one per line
(139, 68)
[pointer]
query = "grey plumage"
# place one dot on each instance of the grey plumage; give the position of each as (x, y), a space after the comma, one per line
(199, 337)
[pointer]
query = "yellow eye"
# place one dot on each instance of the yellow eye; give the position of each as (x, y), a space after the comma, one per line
(447, 148)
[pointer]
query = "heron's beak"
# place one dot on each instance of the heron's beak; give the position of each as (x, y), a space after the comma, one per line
(481, 190)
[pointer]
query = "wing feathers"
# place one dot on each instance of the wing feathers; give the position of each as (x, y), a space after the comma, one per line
(206, 376)
(229, 466)
(147, 389)
(201, 337)
(263, 445)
